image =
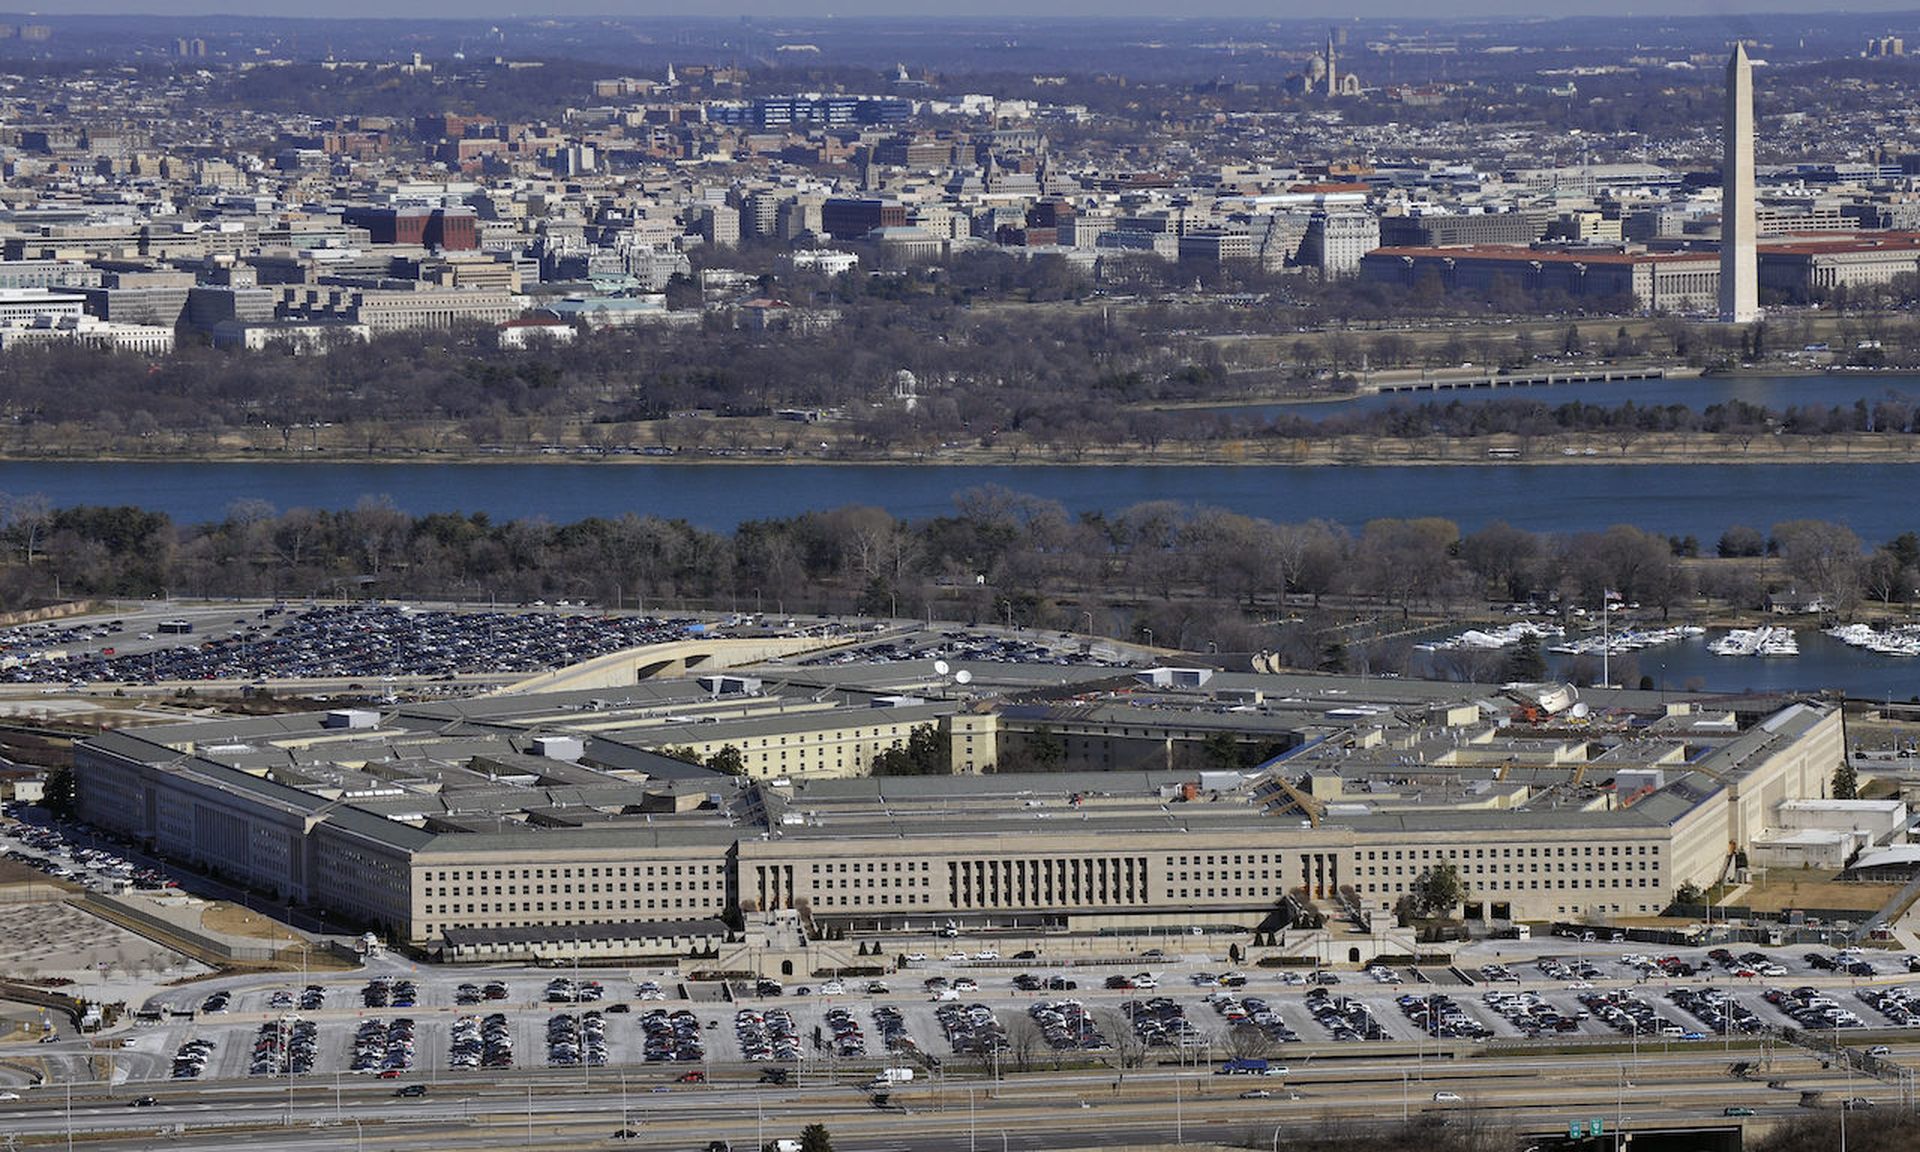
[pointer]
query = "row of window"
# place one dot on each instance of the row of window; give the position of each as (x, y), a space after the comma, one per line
(1582, 851)
(1576, 866)
(571, 889)
(658, 905)
(583, 872)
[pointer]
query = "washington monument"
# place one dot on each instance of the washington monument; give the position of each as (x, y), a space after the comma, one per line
(1739, 267)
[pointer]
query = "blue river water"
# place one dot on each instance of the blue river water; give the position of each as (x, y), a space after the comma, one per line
(1675, 499)
(1823, 663)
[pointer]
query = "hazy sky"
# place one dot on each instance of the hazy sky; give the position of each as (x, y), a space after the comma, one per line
(771, 12)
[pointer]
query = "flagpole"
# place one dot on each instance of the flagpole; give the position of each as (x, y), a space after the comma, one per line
(1606, 639)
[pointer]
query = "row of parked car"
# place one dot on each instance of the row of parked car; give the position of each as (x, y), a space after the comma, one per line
(672, 1037)
(971, 1029)
(1629, 1015)
(1900, 1005)
(481, 1043)
(190, 1059)
(563, 990)
(381, 1047)
(312, 998)
(891, 1026)
(1028, 982)
(1557, 968)
(1440, 1017)
(1343, 1018)
(1066, 1024)
(576, 1040)
(1812, 1008)
(770, 1035)
(1848, 961)
(1749, 963)
(385, 993)
(1161, 1023)
(468, 994)
(1717, 1009)
(847, 1039)
(1252, 1012)
(283, 1048)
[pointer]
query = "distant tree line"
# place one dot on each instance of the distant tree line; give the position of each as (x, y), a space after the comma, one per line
(1068, 381)
(1183, 576)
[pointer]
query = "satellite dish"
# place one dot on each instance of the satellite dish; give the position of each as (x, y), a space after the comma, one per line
(963, 677)
(940, 668)
(1580, 710)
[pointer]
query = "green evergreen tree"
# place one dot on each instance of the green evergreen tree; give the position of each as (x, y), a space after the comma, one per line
(814, 1138)
(1526, 663)
(1846, 782)
(57, 795)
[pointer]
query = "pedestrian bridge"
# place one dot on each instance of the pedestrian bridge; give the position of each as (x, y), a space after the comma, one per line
(673, 659)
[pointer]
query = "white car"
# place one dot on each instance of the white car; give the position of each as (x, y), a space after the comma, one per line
(833, 988)
(957, 957)
(1447, 1098)
(986, 954)
(916, 957)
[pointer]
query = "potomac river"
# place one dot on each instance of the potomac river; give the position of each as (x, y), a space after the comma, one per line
(1701, 500)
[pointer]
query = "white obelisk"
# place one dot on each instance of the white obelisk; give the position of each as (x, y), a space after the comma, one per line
(1739, 266)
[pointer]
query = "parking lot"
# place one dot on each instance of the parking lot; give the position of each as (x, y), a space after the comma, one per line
(277, 642)
(437, 1020)
(976, 647)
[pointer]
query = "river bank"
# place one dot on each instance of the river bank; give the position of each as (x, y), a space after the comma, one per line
(1501, 450)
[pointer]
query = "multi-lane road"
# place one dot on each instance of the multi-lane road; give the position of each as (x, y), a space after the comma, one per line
(1038, 1111)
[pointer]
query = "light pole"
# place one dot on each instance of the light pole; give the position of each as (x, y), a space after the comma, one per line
(1179, 1130)
(1619, 1108)
(970, 1142)
(359, 1137)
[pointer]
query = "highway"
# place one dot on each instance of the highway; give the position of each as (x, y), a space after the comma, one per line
(1033, 1112)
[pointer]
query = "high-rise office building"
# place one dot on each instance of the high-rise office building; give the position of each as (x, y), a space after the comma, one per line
(1739, 264)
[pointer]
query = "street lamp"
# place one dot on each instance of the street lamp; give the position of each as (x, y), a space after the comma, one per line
(1179, 1132)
